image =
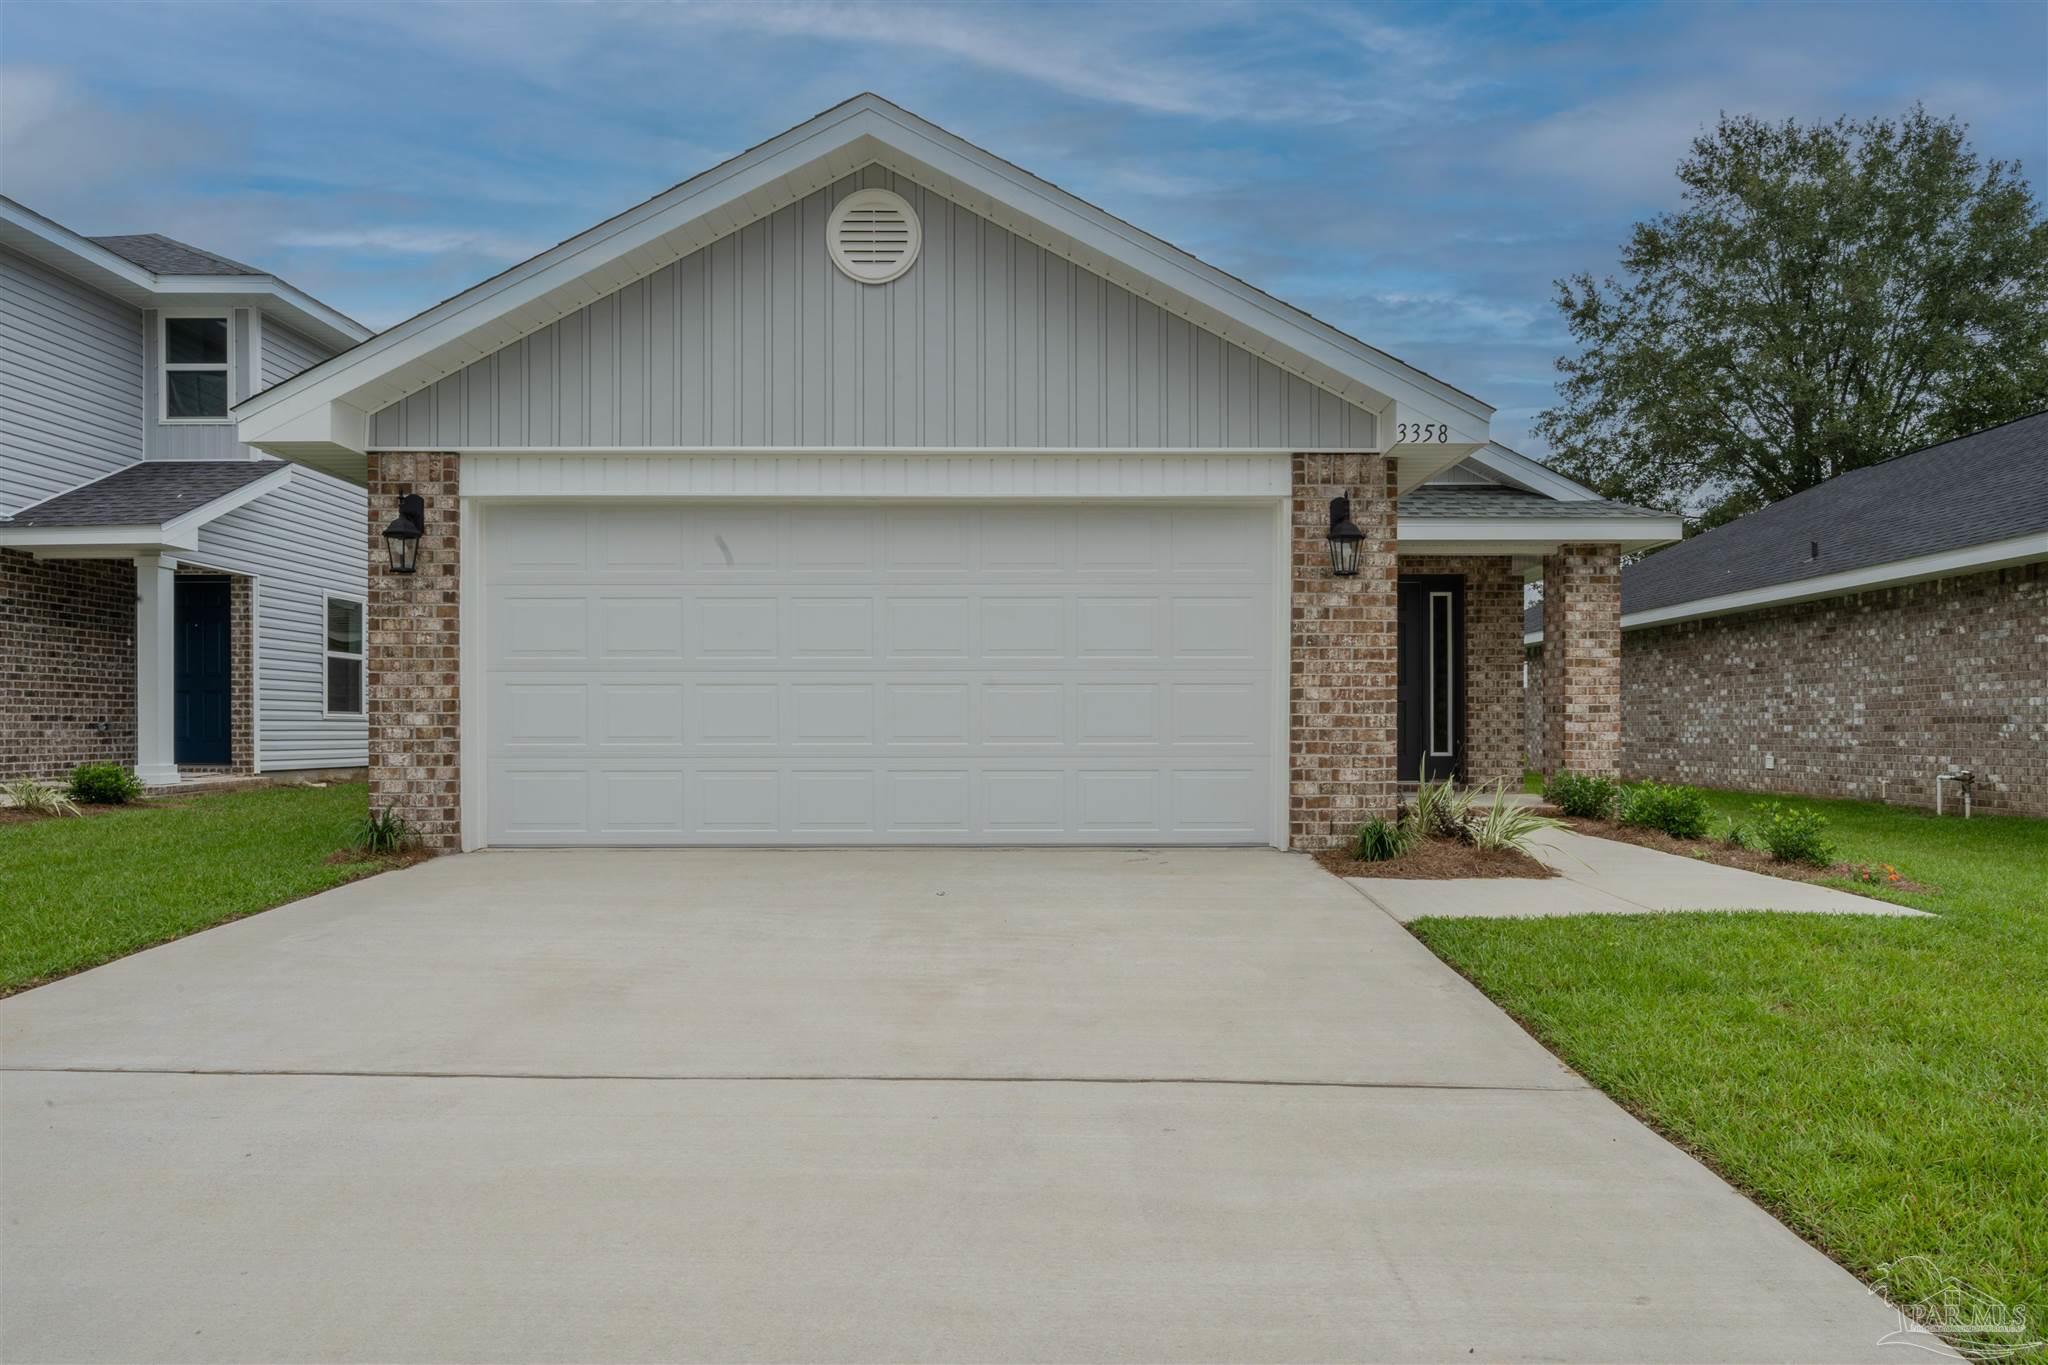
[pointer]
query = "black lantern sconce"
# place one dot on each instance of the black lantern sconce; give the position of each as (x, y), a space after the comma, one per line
(402, 537)
(1344, 539)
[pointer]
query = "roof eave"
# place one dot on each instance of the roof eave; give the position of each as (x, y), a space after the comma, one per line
(24, 230)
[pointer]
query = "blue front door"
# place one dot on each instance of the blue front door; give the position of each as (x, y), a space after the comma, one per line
(205, 671)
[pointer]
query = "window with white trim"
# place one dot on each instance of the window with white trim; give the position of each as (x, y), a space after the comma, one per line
(196, 357)
(344, 656)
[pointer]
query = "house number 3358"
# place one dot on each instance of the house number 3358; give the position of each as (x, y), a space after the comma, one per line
(1423, 433)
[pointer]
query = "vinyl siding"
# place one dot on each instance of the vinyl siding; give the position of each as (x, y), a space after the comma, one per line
(302, 541)
(195, 440)
(988, 341)
(71, 389)
(285, 353)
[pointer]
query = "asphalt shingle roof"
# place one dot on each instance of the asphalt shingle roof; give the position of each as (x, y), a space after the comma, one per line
(147, 494)
(1974, 490)
(169, 256)
(1444, 501)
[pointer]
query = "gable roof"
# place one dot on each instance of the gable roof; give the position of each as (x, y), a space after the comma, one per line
(1972, 503)
(321, 415)
(150, 270)
(146, 494)
(169, 256)
(1436, 501)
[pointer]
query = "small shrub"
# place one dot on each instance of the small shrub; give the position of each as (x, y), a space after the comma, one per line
(1505, 825)
(1736, 835)
(1680, 812)
(104, 784)
(383, 832)
(1439, 811)
(38, 798)
(1794, 834)
(1582, 795)
(1379, 840)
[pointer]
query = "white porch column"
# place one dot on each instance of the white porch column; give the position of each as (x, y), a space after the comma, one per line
(156, 597)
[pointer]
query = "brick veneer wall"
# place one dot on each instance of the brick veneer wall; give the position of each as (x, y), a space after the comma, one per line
(67, 664)
(1867, 695)
(414, 667)
(1582, 664)
(242, 663)
(1532, 707)
(1342, 723)
(1493, 661)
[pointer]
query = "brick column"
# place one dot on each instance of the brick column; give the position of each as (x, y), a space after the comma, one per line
(415, 696)
(1581, 677)
(1342, 724)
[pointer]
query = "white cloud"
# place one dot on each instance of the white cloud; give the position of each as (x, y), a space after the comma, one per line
(415, 241)
(57, 146)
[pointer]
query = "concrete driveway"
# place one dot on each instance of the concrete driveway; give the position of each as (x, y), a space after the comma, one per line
(823, 1106)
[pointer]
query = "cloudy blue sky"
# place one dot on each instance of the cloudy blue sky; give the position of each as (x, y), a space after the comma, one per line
(1416, 174)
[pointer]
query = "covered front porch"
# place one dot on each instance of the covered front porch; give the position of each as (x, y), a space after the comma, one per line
(1471, 545)
(138, 651)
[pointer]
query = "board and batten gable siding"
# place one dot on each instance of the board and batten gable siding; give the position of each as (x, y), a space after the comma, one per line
(758, 340)
(303, 541)
(71, 383)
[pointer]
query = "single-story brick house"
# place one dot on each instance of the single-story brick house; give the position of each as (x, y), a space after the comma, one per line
(869, 489)
(1853, 640)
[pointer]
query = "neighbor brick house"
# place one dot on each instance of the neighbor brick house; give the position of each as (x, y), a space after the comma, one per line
(171, 600)
(1853, 640)
(868, 489)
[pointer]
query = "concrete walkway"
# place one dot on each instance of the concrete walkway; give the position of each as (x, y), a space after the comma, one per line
(937, 1105)
(1607, 877)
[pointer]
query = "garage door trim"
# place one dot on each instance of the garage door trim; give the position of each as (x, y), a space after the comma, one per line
(1139, 475)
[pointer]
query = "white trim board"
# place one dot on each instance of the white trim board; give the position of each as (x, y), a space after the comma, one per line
(1996, 554)
(839, 474)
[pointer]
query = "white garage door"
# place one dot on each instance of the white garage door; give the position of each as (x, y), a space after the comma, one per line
(669, 673)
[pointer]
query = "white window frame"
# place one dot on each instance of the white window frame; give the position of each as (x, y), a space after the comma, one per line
(362, 658)
(164, 367)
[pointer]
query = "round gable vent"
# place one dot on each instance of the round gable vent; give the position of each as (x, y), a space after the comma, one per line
(873, 236)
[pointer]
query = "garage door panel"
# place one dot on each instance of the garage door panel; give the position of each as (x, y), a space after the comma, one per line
(686, 673)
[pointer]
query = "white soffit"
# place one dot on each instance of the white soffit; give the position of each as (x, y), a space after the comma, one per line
(320, 416)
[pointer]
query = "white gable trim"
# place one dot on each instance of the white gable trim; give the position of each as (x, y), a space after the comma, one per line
(1996, 554)
(320, 416)
(24, 230)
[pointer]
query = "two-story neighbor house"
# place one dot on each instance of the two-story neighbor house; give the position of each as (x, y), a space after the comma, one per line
(866, 488)
(170, 598)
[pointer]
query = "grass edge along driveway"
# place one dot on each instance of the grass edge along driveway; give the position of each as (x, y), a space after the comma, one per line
(77, 892)
(1878, 1084)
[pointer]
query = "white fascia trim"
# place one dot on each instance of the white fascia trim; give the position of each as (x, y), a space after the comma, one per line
(1531, 476)
(1640, 532)
(179, 533)
(228, 502)
(1996, 554)
(1974, 558)
(146, 539)
(100, 267)
(306, 313)
(298, 410)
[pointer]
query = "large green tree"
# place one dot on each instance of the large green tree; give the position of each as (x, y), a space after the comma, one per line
(1825, 298)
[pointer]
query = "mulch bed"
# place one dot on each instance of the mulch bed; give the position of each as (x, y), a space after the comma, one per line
(342, 857)
(1729, 855)
(1436, 860)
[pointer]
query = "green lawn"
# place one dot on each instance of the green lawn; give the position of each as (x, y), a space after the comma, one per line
(78, 892)
(1880, 1084)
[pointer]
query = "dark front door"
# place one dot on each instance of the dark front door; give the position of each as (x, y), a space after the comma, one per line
(205, 671)
(1432, 677)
